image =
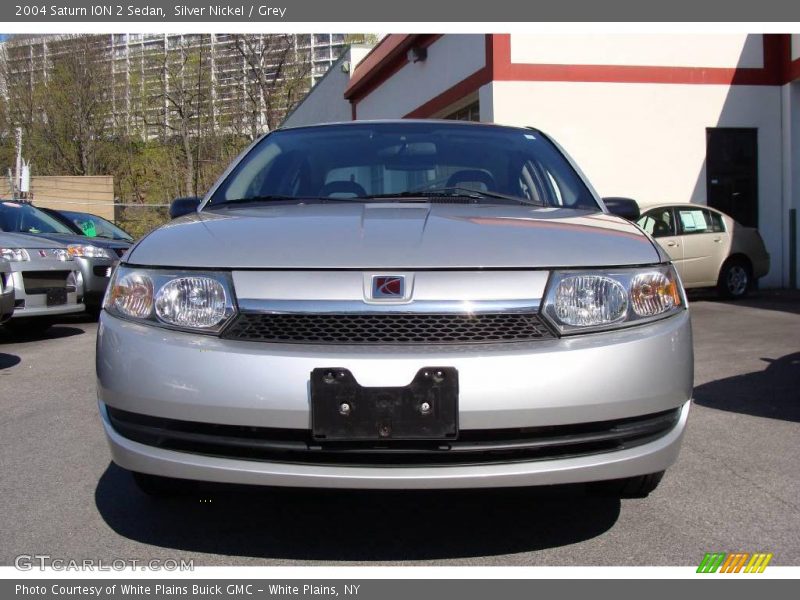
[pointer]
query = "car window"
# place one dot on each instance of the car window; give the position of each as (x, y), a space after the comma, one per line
(338, 161)
(94, 226)
(658, 222)
(694, 220)
(715, 219)
(24, 218)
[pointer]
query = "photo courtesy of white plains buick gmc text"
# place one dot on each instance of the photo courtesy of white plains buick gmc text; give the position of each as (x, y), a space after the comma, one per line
(397, 304)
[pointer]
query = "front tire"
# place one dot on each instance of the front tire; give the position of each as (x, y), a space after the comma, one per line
(630, 487)
(735, 279)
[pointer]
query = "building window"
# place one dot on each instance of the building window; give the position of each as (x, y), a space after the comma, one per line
(471, 112)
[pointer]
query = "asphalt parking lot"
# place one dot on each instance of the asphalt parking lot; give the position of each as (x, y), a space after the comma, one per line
(736, 486)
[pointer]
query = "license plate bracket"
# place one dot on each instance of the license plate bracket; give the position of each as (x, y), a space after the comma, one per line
(425, 409)
(56, 296)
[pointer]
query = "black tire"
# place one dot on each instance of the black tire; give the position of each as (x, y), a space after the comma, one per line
(735, 279)
(160, 487)
(631, 487)
(28, 326)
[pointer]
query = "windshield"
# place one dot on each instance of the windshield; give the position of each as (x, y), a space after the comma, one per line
(94, 226)
(383, 160)
(24, 218)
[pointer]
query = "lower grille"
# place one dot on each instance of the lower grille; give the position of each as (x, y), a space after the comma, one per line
(473, 447)
(387, 328)
(40, 282)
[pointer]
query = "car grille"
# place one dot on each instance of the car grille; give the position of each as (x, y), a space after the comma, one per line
(387, 328)
(473, 447)
(40, 282)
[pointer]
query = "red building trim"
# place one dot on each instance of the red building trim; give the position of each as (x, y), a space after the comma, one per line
(793, 71)
(389, 56)
(770, 74)
(463, 88)
(383, 61)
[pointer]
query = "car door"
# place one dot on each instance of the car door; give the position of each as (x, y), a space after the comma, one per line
(704, 242)
(660, 223)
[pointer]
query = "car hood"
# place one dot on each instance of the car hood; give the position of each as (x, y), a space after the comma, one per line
(394, 236)
(22, 240)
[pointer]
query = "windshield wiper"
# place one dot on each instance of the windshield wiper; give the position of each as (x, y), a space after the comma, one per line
(422, 195)
(266, 198)
(455, 192)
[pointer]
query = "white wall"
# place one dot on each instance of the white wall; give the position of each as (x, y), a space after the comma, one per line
(795, 46)
(450, 59)
(647, 141)
(678, 50)
(325, 103)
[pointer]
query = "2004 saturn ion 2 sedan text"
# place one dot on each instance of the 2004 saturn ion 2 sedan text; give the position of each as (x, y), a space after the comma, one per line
(409, 304)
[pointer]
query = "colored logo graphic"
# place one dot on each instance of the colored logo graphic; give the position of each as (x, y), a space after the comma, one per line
(388, 287)
(736, 562)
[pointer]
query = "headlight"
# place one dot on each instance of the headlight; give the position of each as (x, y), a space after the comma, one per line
(192, 302)
(131, 295)
(582, 301)
(180, 300)
(14, 254)
(88, 251)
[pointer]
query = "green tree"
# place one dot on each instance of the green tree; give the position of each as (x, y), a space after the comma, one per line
(74, 104)
(276, 76)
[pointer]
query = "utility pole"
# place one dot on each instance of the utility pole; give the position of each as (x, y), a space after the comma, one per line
(18, 172)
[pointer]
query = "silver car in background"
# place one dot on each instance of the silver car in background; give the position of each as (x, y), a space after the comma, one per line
(393, 305)
(95, 258)
(6, 291)
(45, 279)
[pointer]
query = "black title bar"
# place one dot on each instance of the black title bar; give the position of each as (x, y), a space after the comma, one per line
(340, 11)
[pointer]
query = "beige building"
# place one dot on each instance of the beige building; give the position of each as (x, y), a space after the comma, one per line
(84, 194)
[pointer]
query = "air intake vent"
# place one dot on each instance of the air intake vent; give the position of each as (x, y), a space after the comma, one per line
(388, 328)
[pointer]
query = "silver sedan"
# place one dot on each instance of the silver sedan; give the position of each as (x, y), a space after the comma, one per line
(45, 279)
(413, 304)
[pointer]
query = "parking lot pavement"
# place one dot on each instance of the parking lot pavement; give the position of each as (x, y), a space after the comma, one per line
(736, 486)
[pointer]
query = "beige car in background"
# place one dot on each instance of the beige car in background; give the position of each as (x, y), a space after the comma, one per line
(708, 248)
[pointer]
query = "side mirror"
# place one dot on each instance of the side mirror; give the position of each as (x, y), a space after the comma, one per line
(183, 206)
(623, 207)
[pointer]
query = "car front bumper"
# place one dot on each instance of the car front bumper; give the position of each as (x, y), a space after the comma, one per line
(573, 380)
(35, 304)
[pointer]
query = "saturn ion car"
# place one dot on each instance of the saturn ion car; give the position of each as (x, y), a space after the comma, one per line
(708, 248)
(409, 304)
(43, 280)
(95, 257)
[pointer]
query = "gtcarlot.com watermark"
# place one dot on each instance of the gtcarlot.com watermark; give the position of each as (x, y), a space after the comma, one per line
(42, 562)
